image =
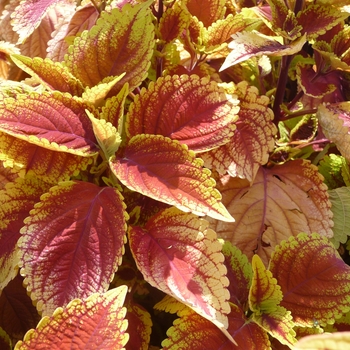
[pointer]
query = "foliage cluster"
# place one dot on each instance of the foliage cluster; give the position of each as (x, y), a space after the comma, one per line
(174, 174)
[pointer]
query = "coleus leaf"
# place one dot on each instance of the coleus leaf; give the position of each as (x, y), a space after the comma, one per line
(207, 11)
(28, 15)
(49, 120)
(332, 167)
(340, 340)
(334, 120)
(264, 298)
(5, 341)
(59, 256)
(167, 171)
(191, 330)
(239, 273)
(6, 176)
(18, 314)
(324, 17)
(53, 75)
(250, 44)
(282, 201)
(194, 111)
(106, 134)
(113, 110)
(125, 42)
(82, 18)
(340, 199)
(98, 313)
(252, 141)
(48, 165)
(16, 200)
(140, 327)
(313, 278)
(313, 84)
(173, 22)
(178, 254)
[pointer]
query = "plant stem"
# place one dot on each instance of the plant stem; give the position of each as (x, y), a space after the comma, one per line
(281, 87)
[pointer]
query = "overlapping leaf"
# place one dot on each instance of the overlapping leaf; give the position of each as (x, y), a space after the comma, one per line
(194, 111)
(122, 41)
(178, 254)
(82, 18)
(72, 243)
(6, 176)
(5, 341)
(340, 340)
(52, 75)
(334, 120)
(140, 327)
(252, 141)
(165, 170)
(52, 121)
(96, 323)
(28, 15)
(264, 298)
(314, 279)
(282, 201)
(340, 199)
(239, 273)
(16, 200)
(50, 166)
(17, 313)
(207, 11)
(250, 44)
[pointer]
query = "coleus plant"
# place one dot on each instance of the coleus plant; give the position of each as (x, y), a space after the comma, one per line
(180, 156)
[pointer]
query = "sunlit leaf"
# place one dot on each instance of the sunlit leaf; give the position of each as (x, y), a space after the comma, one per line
(49, 120)
(264, 298)
(178, 254)
(121, 42)
(314, 279)
(96, 323)
(340, 199)
(252, 141)
(50, 166)
(334, 120)
(16, 200)
(207, 11)
(194, 111)
(173, 22)
(76, 21)
(327, 341)
(72, 243)
(106, 134)
(28, 15)
(323, 19)
(249, 44)
(239, 273)
(331, 169)
(18, 314)
(6, 176)
(283, 201)
(167, 171)
(52, 75)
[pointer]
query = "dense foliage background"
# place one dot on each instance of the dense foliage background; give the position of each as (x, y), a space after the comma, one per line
(174, 174)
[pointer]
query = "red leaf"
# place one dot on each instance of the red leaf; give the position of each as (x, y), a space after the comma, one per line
(18, 314)
(16, 200)
(252, 141)
(313, 278)
(165, 170)
(194, 111)
(72, 243)
(28, 15)
(178, 255)
(95, 323)
(49, 120)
